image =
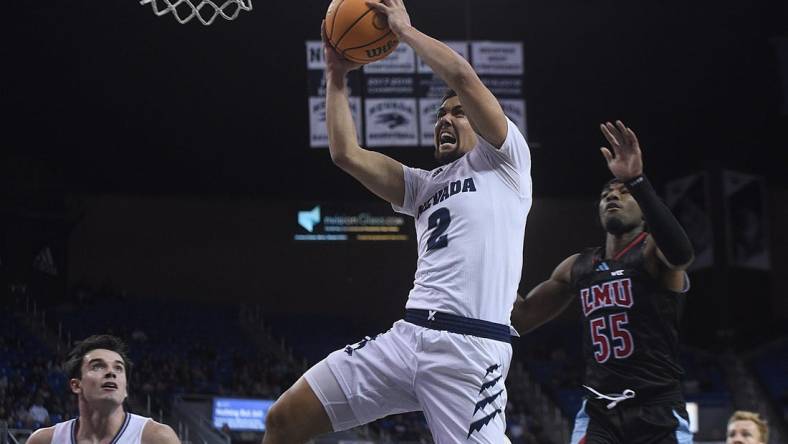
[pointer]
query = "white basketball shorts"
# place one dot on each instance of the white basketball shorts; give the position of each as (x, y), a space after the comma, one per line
(457, 380)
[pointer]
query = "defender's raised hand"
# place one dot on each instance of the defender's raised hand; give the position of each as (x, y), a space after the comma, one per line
(395, 12)
(626, 160)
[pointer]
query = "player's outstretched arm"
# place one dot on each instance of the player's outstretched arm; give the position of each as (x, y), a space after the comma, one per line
(379, 173)
(546, 301)
(157, 433)
(674, 248)
(481, 107)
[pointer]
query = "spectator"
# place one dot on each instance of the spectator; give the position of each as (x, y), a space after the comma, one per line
(38, 413)
(747, 428)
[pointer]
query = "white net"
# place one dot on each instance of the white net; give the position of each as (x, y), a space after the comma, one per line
(205, 11)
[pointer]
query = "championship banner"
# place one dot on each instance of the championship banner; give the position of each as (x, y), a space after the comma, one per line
(389, 106)
(392, 76)
(747, 237)
(429, 90)
(430, 85)
(316, 64)
(315, 59)
(500, 66)
(515, 111)
(394, 100)
(318, 132)
(497, 58)
(428, 113)
(689, 200)
(460, 47)
(391, 122)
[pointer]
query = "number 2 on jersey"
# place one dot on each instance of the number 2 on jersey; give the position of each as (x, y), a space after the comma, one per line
(623, 344)
(439, 220)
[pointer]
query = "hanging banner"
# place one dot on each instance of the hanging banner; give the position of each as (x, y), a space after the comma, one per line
(515, 111)
(689, 200)
(391, 122)
(747, 237)
(316, 87)
(498, 58)
(394, 100)
(318, 132)
(428, 115)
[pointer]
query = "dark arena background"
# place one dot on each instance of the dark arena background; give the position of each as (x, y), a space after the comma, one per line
(161, 182)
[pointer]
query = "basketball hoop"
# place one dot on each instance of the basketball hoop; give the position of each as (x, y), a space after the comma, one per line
(206, 11)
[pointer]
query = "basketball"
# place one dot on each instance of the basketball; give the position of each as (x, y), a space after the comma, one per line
(357, 32)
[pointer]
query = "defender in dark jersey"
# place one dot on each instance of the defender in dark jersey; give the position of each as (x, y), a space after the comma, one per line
(630, 292)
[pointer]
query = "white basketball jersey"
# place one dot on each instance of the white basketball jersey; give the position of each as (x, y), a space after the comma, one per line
(130, 432)
(470, 224)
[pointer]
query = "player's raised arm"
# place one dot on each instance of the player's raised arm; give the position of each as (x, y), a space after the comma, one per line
(546, 301)
(482, 108)
(626, 163)
(379, 173)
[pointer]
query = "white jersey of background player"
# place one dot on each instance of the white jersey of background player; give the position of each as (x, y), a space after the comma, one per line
(450, 355)
(98, 370)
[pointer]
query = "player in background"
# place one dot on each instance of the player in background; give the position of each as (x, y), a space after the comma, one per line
(631, 291)
(747, 428)
(98, 370)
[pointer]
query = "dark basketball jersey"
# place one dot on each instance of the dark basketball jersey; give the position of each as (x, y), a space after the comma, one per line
(630, 325)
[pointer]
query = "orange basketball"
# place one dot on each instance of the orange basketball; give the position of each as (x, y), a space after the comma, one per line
(357, 32)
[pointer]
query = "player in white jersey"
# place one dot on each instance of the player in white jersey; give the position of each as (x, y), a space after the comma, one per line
(450, 355)
(98, 369)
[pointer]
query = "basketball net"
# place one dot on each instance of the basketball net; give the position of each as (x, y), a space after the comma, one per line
(205, 11)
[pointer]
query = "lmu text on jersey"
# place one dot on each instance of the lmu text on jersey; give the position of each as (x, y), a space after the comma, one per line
(616, 293)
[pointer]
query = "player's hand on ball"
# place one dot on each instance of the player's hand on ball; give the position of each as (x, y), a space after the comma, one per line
(335, 63)
(395, 12)
(626, 160)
